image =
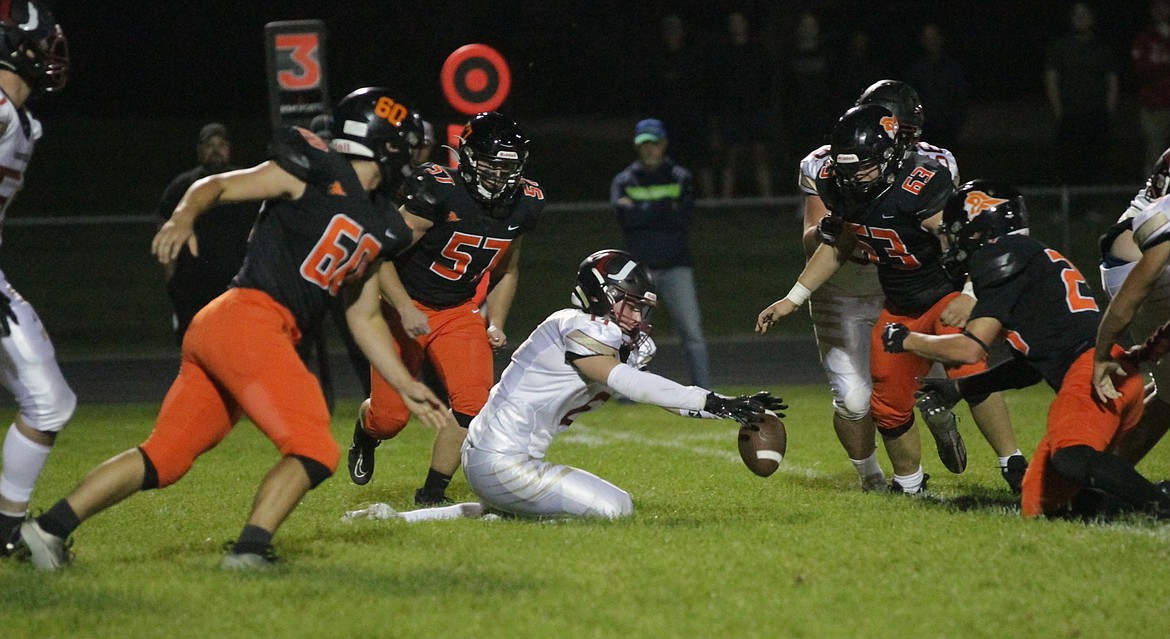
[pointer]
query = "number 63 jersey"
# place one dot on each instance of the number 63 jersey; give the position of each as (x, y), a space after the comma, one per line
(303, 251)
(466, 239)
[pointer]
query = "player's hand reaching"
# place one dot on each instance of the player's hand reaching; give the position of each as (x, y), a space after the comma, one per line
(957, 311)
(771, 404)
(7, 316)
(496, 337)
(1103, 372)
(170, 239)
(894, 337)
(425, 405)
(414, 321)
(742, 409)
(829, 228)
(768, 316)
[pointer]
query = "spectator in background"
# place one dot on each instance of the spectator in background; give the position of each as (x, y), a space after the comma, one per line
(859, 67)
(1081, 81)
(806, 86)
(941, 86)
(1151, 64)
(742, 102)
(655, 205)
(675, 90)
(193, 281)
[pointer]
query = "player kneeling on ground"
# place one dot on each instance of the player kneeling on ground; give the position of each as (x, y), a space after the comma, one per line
(1039, 302)
(573, 362)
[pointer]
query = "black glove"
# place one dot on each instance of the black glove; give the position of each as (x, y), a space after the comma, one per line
(774, 404)
(830, 228)
(6, 315)
(893, 337)
(742, 409)
(945, 388)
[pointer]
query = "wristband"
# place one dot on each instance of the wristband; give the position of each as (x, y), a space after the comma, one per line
(969, 289)
(799, 294)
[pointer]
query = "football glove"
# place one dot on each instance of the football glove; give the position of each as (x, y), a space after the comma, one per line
(1152, 350)
(830, 228)
(742, 409)
(894, 337)
(7, 316)
(946, 389)
(773, 404)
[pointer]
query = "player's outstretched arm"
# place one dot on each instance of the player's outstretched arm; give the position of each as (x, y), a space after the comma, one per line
(363, 314)
(821, 266)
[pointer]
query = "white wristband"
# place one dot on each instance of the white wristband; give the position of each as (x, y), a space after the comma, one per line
(799, 294)
(969, 289)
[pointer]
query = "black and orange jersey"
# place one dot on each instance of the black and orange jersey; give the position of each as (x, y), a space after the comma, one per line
(466, 240)
(1047, 310)
(302, 251)
(889, 232)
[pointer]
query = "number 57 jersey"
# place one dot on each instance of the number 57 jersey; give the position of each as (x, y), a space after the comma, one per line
(467, 238)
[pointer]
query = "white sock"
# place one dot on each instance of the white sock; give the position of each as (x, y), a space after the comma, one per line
(457, 511)
(1003, 460)
(910, 483)
(23, 461)
(868, 466)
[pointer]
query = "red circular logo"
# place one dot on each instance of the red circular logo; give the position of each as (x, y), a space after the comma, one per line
(476, 78)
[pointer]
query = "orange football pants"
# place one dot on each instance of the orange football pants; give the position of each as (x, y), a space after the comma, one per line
(459, 350)
(895, 375)
(1076, 418)
(239, 357)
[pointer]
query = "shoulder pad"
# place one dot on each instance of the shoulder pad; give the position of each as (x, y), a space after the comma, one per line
(923, 187)
(298, 151)
(1001, 261)
(1152, 225)
(810, 169)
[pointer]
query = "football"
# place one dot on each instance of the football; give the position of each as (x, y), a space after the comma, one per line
(762, 448)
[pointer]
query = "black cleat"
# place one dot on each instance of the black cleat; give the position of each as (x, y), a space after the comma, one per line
(423, 498)
(361, 454)
(944, 426)
(1013, 472)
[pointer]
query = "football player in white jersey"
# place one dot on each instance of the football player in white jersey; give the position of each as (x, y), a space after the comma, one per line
(573, 362)
(845, 308)
(33, 59)
(1147, 304)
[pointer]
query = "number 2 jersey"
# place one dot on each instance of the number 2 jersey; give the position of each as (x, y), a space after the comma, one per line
(889, 232)
(303, 251)
(1040, 298)
(540, 393)
(467, 239)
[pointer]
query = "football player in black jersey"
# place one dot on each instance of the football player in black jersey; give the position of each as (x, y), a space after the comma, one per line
(889, 204)
(318, 232)
(467, 225)
(1036, 299)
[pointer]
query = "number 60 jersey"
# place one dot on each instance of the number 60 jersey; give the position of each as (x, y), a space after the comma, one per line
(467, 238)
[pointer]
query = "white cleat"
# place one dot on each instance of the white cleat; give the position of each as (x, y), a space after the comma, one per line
(377, 511)
(46, 551)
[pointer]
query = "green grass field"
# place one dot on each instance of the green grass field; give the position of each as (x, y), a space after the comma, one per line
(712, 550)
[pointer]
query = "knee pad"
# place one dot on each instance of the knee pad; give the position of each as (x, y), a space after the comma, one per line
(1074, 462)
(618, 508)
(316, 471)
(150, 477)
(890, 434)
(51, 412)
(855, 404)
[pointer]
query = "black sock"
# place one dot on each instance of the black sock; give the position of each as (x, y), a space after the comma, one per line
(253, 540)
(8, 523)
(60, 520)
(436, 484)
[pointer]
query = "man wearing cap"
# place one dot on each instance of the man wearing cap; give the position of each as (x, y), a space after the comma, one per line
(223, 231)
(654, 200)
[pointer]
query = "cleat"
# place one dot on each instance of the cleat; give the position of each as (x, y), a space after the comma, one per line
(422, 498)
(896, 488)
(248, 560)
(943, 425)
(361, 452)
(44, 550)
(875, 483)
(1013, 472)
(374, 511)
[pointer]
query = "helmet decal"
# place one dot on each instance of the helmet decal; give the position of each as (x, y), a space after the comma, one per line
(977, 202)
(890, 125)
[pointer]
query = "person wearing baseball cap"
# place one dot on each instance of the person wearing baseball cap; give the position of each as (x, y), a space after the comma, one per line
(654, 200)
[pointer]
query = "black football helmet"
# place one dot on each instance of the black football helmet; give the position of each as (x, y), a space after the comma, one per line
(1159, 182)
(609, 276)
(980, 212)
(371, 124)
(32, 45)
(492, 155)
(865, 151)
(902, 100)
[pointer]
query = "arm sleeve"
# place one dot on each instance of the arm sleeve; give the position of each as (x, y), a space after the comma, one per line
(649, 388)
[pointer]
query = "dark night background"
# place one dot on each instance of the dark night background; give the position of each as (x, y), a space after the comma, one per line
(146, 75)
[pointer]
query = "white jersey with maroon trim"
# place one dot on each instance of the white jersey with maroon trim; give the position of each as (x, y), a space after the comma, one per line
(19, 132)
